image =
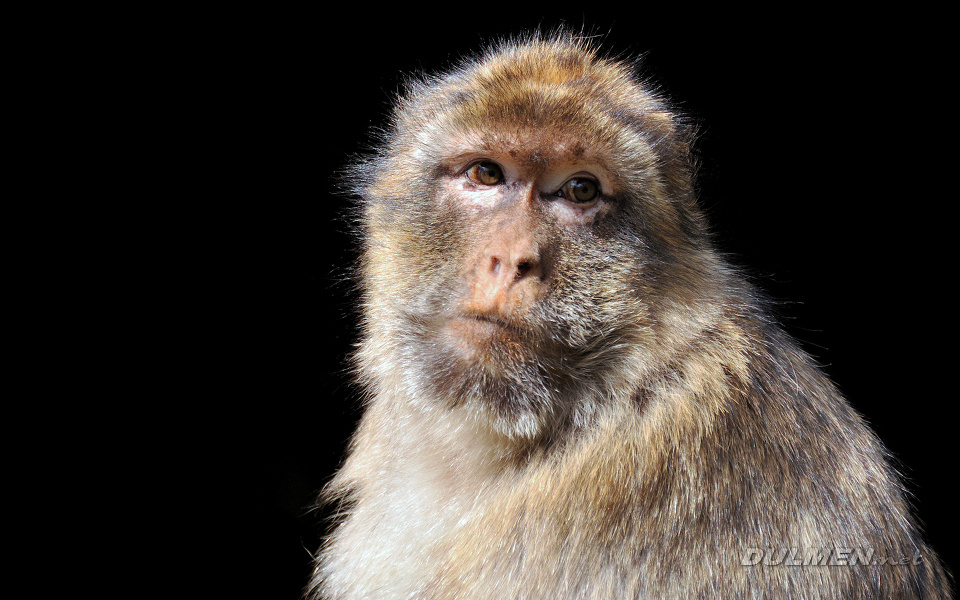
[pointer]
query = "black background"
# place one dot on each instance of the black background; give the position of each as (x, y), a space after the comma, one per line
(824, 172)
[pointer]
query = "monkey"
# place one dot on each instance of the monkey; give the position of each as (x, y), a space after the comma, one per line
(569, 391)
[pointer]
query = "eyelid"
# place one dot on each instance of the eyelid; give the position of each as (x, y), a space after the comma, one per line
(590, 178)
(581, 175)
(474, 162)
(584, 176)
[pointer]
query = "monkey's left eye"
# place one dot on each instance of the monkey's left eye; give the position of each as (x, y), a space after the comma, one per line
(580, 190)
(485, 173)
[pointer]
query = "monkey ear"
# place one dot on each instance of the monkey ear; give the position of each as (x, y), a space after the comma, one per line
(667, 125)
(659, 120)
(670, 139)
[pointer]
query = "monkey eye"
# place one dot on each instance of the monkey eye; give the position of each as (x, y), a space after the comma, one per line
(580, 190)
(485, 173)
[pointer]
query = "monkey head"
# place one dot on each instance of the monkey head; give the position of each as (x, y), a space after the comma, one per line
(526, 208)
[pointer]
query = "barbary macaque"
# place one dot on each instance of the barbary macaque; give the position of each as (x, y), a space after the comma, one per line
(570, 394)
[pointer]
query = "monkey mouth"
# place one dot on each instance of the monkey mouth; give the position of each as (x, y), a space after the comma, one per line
(487, 319)
(474, 330)
(492, 321)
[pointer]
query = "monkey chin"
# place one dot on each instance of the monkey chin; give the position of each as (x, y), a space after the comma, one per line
(493, 367)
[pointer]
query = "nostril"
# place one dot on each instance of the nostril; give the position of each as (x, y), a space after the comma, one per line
(495, 265)
(523, 267)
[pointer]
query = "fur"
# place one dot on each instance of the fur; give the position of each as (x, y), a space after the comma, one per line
(652, 425)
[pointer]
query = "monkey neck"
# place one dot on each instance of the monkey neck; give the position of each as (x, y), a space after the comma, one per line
(421, 471)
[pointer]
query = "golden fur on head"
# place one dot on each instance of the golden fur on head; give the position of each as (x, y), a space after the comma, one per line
(617, 417)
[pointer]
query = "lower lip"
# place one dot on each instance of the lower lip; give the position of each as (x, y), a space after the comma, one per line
(475, 326)
(473, 330)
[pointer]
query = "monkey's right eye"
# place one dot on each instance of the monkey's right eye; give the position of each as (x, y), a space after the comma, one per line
(485, 173)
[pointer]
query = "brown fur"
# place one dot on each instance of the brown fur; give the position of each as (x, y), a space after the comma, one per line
(603, 409)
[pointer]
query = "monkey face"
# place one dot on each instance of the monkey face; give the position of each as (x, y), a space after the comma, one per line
(517, 205)
(525, 294)
(523, 226)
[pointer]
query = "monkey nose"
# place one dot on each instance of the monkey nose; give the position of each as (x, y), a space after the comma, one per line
(507, 271)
